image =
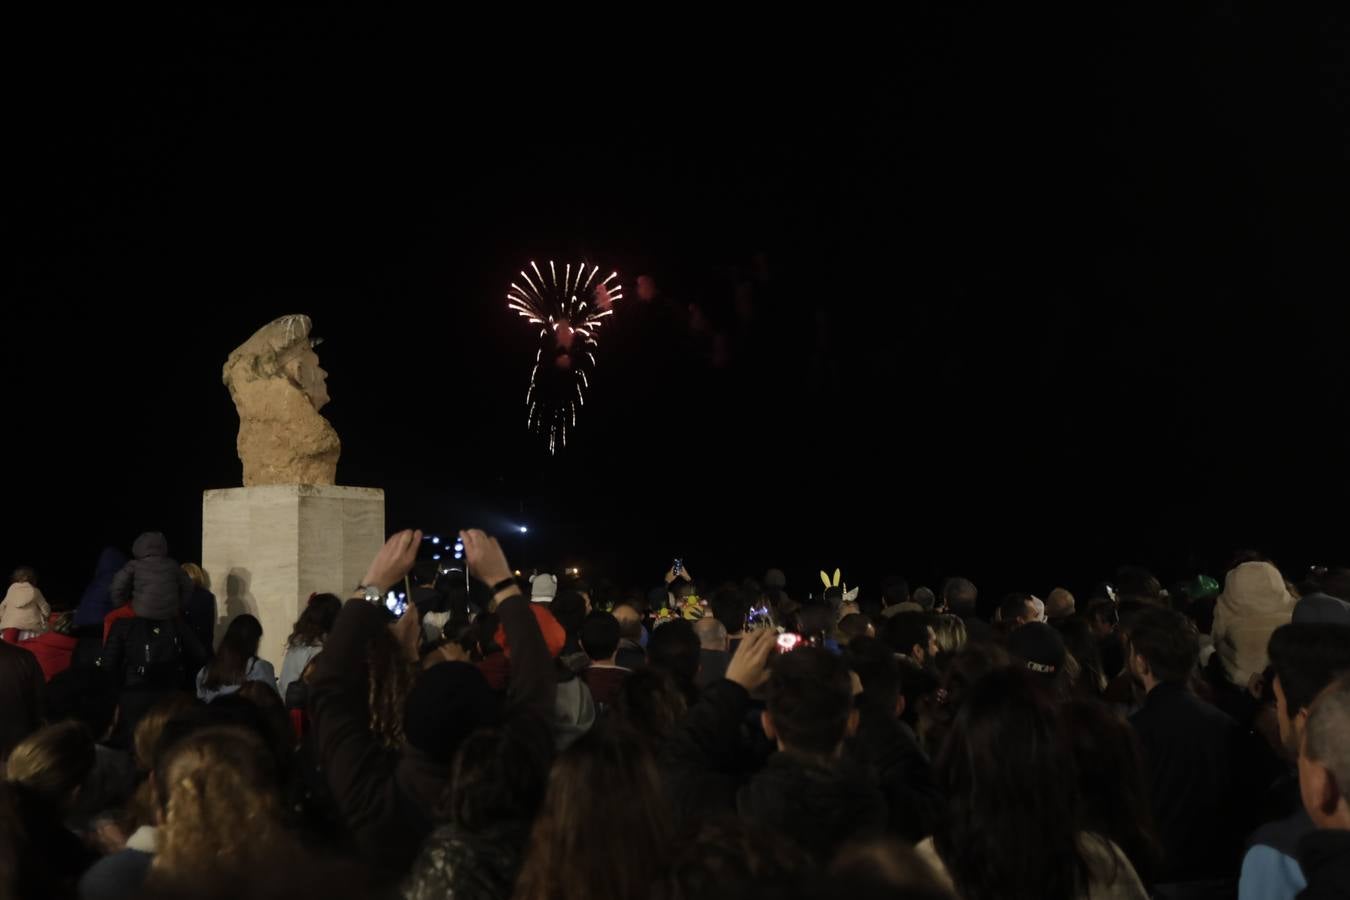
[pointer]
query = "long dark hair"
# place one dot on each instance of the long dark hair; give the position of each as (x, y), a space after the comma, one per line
(239, 645)
(499, 776)
(315, 622)
(605, 783)
(1012, 828)
(1111, 782)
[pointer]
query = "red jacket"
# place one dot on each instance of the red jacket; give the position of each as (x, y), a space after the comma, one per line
(122, 612)
(52, 650)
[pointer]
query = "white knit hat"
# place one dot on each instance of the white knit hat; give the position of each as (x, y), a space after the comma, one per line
(543, 588)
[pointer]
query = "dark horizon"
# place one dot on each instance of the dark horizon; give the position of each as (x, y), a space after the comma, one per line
(1021, 307)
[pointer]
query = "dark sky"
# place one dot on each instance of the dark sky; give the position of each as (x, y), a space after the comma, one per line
(1020, 298)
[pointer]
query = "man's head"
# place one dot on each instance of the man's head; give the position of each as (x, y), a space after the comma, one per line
(959, 596)
(894, 591)
(600, 637)
(810, 702)
(855, 626)
(1163, 647)
(1102, 617)
(876, 667)
(282, 348)
(1019, 609)
(674, 648)
(1059, 604)
(1136, 584)
(1306, 658)
(730, 605)
(682, 590)
(424, 572)
(1324, 762)
(911, 634)
(630, 622)
(925, 598)
(569, 608)
(24, 575)
(1039, 647)
(712, 634)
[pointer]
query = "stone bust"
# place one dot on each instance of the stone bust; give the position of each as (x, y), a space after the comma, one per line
(278, 388)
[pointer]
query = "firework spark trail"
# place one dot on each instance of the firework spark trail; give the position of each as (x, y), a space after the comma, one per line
(570, 312)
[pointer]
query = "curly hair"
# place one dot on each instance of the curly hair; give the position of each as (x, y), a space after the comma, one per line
(389, 682)
(221, 806)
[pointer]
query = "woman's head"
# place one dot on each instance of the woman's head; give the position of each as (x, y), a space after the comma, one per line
(52, 763)
(242, 635)
(237, 647)
(605, 783)
(198, 575)
(316, 621)
(651, 704)
(951, 635)
(499, 775)
(1012, 821)
(150, 728)
(220, 808)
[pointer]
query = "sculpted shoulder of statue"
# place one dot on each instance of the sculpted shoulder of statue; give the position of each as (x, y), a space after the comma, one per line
(278, 388)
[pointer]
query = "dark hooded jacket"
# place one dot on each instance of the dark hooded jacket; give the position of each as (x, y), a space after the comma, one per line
(154, 583)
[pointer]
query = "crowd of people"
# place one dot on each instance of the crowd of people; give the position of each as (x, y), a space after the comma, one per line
(531, 738)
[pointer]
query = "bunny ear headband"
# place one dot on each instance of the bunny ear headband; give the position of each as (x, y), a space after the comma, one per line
(849, 596)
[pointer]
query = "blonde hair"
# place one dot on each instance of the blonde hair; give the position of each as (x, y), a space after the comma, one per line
(198, 575)
(53, 761)
(222, 812)
(950, 632)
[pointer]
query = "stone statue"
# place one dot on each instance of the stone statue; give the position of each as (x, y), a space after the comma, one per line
(278, 387)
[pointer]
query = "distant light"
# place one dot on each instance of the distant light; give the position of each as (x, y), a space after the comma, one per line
(435, 540)
(435, 556)
(517, 573)
(524, 529)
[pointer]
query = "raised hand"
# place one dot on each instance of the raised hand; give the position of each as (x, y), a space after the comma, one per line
(394, 560)
(484, 555)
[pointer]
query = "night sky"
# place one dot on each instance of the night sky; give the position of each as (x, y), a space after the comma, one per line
(1018, 298)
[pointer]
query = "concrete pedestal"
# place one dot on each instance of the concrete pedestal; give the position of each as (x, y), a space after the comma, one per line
(266, 549)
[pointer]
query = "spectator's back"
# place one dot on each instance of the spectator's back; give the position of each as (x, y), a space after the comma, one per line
(153, 582)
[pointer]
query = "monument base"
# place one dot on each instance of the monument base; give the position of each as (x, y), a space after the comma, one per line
(267, 548)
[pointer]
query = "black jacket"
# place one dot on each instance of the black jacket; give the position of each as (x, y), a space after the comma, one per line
(821, 806)
(153, 582)
(458, 864)
(386, 797)
(887, 746)
(121, 656)
(1325, 858)
(200, 615)
(712, 769)
(1191, 754)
